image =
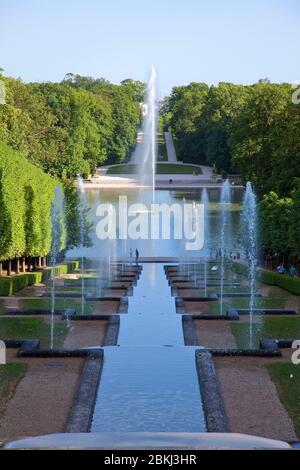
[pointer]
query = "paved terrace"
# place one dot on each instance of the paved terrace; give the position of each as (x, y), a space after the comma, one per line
(178, 181)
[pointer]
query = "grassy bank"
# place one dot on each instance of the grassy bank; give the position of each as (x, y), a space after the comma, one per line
(243, 302)
(45, 304)
(266, 327)
(287, 380)
(161, 169)
(32, 328)
(162, 149)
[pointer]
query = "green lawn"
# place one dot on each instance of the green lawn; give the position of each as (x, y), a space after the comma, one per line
(286, 377)
(161, 169)
(266, 327)
(32, 328)
(243, 302)
(162, 149)
(162, 152)
(10, 375)
(60, 303)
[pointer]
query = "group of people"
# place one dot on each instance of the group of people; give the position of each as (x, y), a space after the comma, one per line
(234, 255)
(292, 272)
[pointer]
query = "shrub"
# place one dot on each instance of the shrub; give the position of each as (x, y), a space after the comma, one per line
(289, 283)
(26, 195)
(10, 285)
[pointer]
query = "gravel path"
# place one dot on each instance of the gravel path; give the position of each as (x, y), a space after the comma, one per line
(84, 334)
(214, 333)
(43, 398)
(251, 399)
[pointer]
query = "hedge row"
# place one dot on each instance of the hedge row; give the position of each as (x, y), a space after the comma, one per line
(60, 270)
(289, 283)
(26, 195)
(10, 285)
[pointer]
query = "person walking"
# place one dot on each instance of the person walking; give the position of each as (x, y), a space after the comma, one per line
(137, 255)
(293, 270)
(131, 255)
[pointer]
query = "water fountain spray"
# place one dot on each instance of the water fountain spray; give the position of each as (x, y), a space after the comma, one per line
(225, 201)
(82, 210)
(205, 201)
(145, 153)
(249, 235)
(57, 244)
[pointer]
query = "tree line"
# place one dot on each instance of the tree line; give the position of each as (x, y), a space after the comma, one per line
(50, 133)
(26, 195)
(71, 127)
(252, 130)
(33, 226)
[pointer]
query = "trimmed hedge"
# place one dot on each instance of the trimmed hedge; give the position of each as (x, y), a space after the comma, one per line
(26, 195)
(10, 285)
(289, 283)
(60, 270)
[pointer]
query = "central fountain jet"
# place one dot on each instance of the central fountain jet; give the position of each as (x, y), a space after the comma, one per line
(145, 153)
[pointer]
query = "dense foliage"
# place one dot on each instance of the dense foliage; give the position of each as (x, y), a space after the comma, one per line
(69, 128)
(59, 130)
(26, 195)
(252, 130)
(280, 225)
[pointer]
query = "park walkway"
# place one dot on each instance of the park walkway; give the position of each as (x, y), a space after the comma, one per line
(171, 152)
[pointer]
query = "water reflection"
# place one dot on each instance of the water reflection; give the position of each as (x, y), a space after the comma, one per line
(149, 383)
(160, 247)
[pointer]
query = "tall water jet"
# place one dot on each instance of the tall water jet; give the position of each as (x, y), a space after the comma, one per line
(224, 201)
(144, 155)
(82, 211)
(249, 236)
(57, 244)
(205, 202)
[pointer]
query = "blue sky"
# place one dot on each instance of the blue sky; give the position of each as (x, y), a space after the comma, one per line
(188, 40)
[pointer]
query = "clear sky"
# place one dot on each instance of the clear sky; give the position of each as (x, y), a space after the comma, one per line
(188, 40)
